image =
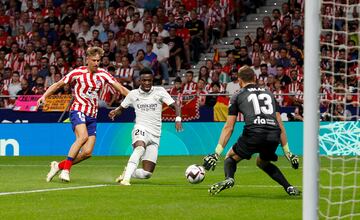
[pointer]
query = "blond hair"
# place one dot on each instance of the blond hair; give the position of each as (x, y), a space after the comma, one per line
(93, 51)
(246, 74)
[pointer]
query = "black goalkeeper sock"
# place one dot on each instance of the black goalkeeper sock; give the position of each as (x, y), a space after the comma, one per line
(230, 167)
(275, 173)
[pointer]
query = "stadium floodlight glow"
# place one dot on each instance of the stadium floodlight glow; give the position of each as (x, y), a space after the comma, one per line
(194, 67)
(256, 19)
(246, 27)
(275, 3)
(265, 11)
(205, 58)
(226, 42)
(237, 34)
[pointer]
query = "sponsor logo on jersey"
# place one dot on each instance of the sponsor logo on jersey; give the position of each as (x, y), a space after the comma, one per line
(147, 107)
(262, 121)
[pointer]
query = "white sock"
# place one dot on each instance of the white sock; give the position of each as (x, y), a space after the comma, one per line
(141, 174)
(133, 162)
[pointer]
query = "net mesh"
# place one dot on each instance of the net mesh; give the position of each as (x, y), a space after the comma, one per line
(340, 135)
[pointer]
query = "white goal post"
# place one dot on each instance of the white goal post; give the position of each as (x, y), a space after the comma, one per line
(311, 109)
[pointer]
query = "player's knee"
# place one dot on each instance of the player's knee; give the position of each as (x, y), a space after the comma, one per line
(87, 153)
(260, 163)
(83, 138)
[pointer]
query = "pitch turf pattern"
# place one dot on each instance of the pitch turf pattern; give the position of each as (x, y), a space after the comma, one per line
(167, 195)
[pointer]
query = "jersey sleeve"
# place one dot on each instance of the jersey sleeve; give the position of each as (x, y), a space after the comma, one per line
(233, 106)
(71, 76)
(127, 100)
(108, 77)
(165, 97)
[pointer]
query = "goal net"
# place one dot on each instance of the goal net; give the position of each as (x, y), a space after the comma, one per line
(339, 134)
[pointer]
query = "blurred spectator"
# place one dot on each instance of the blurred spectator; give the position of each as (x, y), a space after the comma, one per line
(151, 56)
(281, 76)
(137, 45)
(14, 87)
(125, 73)
(176, 89)
(201, 91)
(138, 64)
(211, 99)
(162, 52)
(297, 115)
(189, 86)
(196, 29)
(176, 46)
(233, 86)
(25, 89)
(136, 25)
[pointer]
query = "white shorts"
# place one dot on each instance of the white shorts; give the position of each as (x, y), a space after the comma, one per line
(151, 142)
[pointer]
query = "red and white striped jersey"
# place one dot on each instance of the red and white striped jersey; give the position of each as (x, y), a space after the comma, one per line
(30, 59)
(279, 97)
(124, 72)
(107, 92)
(22, 40)
(10, 59)
(19, 66)
(87, 87)
(189, 88)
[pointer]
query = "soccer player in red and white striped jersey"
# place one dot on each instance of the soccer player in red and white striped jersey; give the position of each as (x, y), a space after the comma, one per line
(87, 82)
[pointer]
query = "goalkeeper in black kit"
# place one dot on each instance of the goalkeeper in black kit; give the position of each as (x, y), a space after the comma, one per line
(262, 133)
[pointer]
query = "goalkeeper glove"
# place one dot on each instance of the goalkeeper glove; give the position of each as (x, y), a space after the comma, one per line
(210, 161)
(293, 159)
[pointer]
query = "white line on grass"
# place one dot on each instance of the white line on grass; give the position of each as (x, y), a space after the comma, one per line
(105, 185)
(53, 189)
(90, 165)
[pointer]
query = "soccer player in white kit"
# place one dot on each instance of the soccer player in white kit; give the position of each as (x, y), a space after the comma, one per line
(147, 101)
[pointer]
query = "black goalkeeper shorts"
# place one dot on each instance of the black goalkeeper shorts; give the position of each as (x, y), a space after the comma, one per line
(245, 147)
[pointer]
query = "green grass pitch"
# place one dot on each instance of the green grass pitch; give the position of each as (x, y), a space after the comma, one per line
(167, 195)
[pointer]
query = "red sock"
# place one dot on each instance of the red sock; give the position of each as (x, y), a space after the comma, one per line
(67, 164)
(61, 165)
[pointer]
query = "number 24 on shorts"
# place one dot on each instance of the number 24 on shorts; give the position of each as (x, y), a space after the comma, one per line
(139, 132)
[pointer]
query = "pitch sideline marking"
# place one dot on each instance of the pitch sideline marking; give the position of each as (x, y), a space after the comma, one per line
(53, 189)
(106, 185)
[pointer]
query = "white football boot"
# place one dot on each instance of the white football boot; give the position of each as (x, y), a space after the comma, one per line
(121, 177)
(65, 175)
(125, 183)
(54, 169)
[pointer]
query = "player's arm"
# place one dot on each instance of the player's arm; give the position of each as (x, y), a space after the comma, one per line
(177, 109)
(294, 160)
(115, 112)
(119, 110)
(211, 159)
(120, 88)
(54, 87)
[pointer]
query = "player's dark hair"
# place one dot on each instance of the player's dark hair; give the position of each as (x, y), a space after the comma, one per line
(146, 71)
(246, 74)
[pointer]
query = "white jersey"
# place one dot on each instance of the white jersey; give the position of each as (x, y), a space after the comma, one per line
(148, 107)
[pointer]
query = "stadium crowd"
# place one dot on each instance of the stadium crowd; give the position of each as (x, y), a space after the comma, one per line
(42, 40)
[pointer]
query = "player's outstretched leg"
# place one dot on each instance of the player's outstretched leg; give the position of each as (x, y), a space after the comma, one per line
(54, 169)
(132, 164)
(274, 172)
(220, 186)
(121, 177)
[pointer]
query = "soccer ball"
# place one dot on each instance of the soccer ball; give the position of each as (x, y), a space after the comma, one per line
(195, 174)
